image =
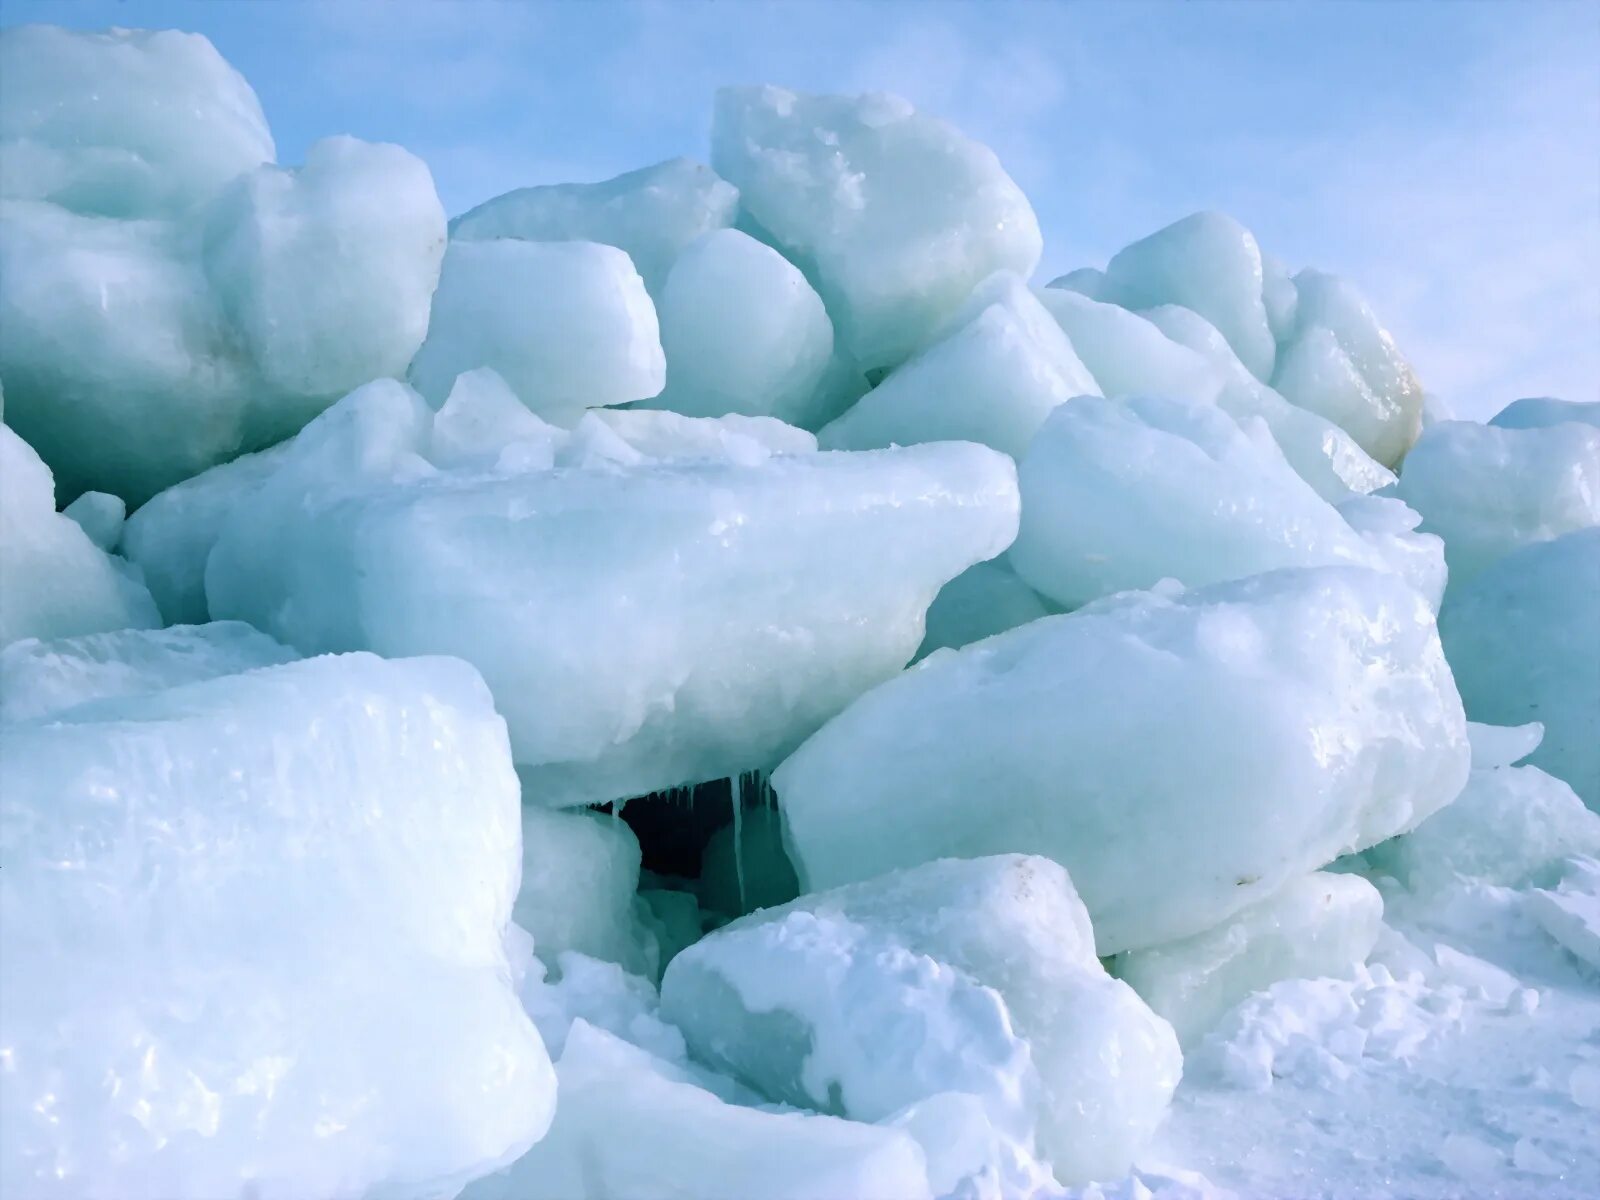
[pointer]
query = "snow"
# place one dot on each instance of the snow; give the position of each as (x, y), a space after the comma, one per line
(652, 214)
(873, 997)
(568, 325)
(291, 985)
(1524, 645)
(58, 582)
(992, 374)
(744, 333)
(895, 216)
(1488, 490)
(1118, 495)
(1325, 685)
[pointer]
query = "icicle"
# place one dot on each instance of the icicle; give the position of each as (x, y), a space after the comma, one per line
(736, 789)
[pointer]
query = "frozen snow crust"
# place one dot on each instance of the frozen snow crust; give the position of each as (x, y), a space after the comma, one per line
(713, 683)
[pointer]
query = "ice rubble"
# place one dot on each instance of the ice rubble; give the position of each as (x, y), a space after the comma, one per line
(304, 902)
(290, 985)
(58, 582)
(1283, 720)
(1524, 644)
(163, 284)
(542, 578)
(974, 976)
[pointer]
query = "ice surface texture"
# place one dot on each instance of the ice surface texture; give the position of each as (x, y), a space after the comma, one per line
(974, 976)
(893, 215)
(1283, 720)
(1525, 646)
(264, 963)
(642, 623)
(166, 286)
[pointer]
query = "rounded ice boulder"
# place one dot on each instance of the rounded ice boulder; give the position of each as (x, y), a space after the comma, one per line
(1277, 722)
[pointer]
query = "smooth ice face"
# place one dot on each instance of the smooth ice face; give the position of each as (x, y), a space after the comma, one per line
(182, 342)
(1324, 455)
(651, 213)
(567, 324)
(41, 678)
(895, 216)
(1524, 644)
(1315, 926)
(1278, 722)
(1341, 363)
(579, 874)
(1127, 354)
(1489, 490)
(1535, 412)
(743, 333)
(983, 600)
(269, 964)
(170, 537)
(1389, 528)
(994, 373)
(753, 872)
(1207, 262)
(1511, 826)
(1119, 495)
(631, 1124)
(56, 582)
(125, 123)
(975, 976)
(642, 624)
(100, 515)
(327, 271)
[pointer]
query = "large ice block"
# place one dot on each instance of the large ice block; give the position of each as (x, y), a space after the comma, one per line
(1489, 490)
(125, 123)
(651, 213)
(1122, 494)
(252, 930)
(1524, 643)
(894, 215)
(1535, 412)
(975, 976)
(54, 581)
(641, 625)
(1276, 722)
(992, 375)
(567, 324)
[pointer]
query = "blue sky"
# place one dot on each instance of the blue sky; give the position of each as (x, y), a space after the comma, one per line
(1444, 155)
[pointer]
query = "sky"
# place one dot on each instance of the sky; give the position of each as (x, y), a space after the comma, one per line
(1444, 155)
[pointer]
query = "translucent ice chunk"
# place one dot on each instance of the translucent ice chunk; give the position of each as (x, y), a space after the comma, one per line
(264, 964)
(38, 678)
(1318, 925)
(743, 333)
(567, 324)
(1489, 490)
(975, 976)
(1284, 720)
(125, 123)
(993, 374)
(1120, 495)
(894, 215)
(651, 213)
(983, 600)
(597, 601)
(100, 515)
(1524, 644)
(56, 581)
